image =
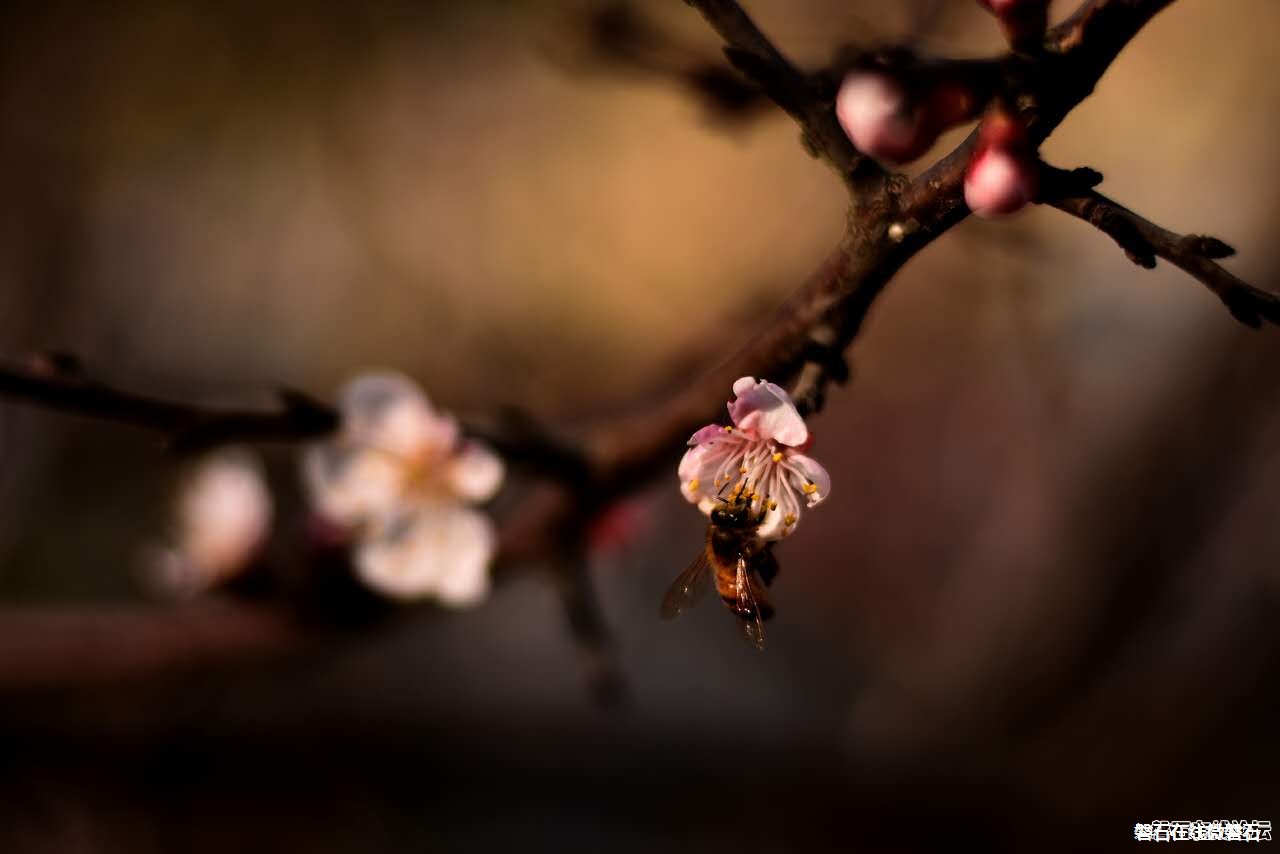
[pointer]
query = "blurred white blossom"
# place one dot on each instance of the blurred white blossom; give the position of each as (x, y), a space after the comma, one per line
(222, 516)
(399, 477)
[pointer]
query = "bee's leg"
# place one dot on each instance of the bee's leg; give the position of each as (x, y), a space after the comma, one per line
(766, 565)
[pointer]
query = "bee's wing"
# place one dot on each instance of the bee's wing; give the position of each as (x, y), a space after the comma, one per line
(688, 587)
(747, 608)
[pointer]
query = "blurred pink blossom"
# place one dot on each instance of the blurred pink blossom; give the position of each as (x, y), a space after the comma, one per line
(223, 515)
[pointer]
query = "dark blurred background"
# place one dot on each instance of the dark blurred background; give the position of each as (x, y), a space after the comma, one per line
(1038, 607)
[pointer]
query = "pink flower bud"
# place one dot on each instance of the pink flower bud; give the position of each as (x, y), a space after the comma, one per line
(1003, 174)
(875, 112)
(999, 182)
(1023, 21)
(884, 121)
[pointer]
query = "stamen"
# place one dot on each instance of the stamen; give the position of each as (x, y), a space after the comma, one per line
(777, 457)
(773, 505)
(789, 519)
(809, 488)
(728, 429)
(743, 469)
(693, 485)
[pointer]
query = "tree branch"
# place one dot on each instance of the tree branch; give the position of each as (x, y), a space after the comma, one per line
(887, 227)
(51, 648)
(1143, 241)
(53, 384)
(890, 221)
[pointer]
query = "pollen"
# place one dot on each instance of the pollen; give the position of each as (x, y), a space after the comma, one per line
(810, 488)
(777, 456)
(693, 485)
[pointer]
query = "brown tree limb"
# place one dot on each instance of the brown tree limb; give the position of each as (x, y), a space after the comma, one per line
(888, 226)
(55, 647)
(1143, 241)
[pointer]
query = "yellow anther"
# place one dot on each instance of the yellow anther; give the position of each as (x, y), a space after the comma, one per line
(789, 519)
(810, 488)
(777, 457)
(728, 429)
(743, 469)
(693, 485)
(773, 505)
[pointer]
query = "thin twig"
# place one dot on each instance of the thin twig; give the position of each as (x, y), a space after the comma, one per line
(590, 632)
(1143, 241)
(797, 94)
(186, 427)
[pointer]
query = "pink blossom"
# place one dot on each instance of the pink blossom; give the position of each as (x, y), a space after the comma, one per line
(400, 477)
(760, 455)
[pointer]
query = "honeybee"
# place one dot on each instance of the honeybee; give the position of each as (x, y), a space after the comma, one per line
(740, 562)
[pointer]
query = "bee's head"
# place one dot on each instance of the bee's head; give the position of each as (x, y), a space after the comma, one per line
(732, 514)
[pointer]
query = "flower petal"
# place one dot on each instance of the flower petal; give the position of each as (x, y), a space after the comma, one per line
(223, 514)
(704, 466)
(706, 435)
(390, 412)
(783, 514)
(809, 477)
(439, 550)
(466, 583)
(351, 486)
(765, 411)
(475, 473)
